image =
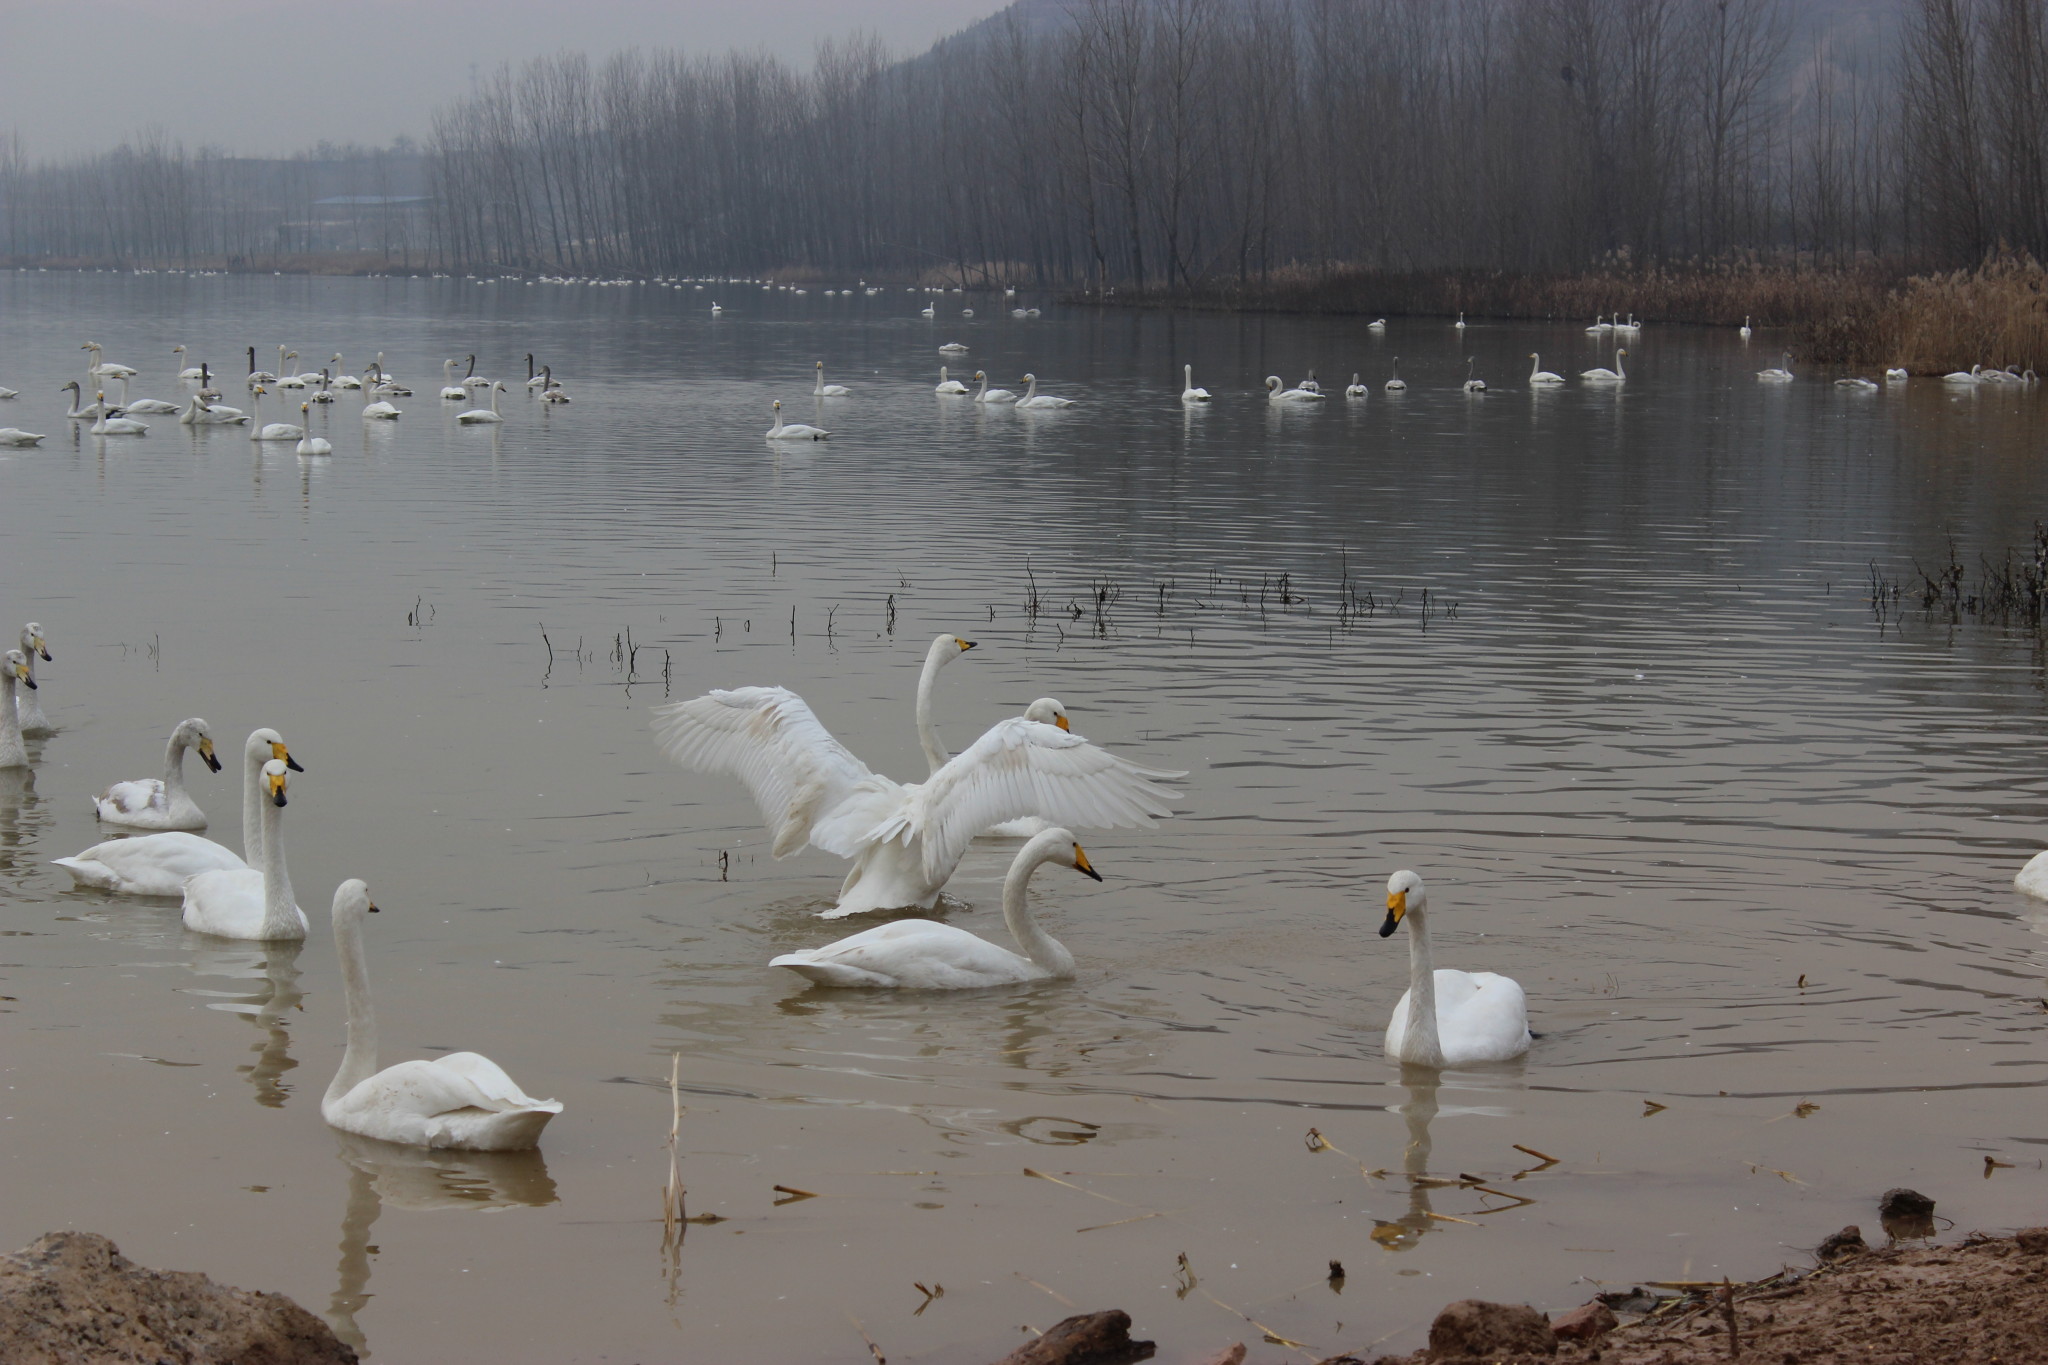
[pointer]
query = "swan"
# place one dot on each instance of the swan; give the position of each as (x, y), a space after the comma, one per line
(1034, 399)
(1859, 384)
(2032, 879)
(381, 409)
(34, 724)
(906, 839)
(6, 392)
(1539, 375)
(161, 802)
(109, 425)
(1895, 376)
(106, 369)
(290, 381)
(385, 384)
(948, 385)
(156, 406)
(535, 379)
(1743, 331)
(1189, 393)
(1780, 373)
(450, 390)
(483, 416)
(160, 864)
(340, 380)
(1377, 325)
(1602, 375)
(987, 394)
(1309, 384)
(1970, 376)
(251, 902)
(930, 310)
(13, 753)
(459, 1100)
(15, 436)
(1397, 384)
(554, 392)
(1448, 1018)
(1460, 323)
(1276, 394)
(922, 954)
(1473, 385)
(1600, 324)
(952, 348)
(715, 309)
(323, 394)
(1631, 327)
(275, 431)
(190, 371)
(793, 431)
(310, 444)
(257, 376)
(200, 413)
(99, 408)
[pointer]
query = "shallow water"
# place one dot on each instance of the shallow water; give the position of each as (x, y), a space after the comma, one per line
(1648, 744)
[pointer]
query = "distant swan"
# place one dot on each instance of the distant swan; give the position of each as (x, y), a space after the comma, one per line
(793, 431)
(1539, 375)
(987, 394)
(15, 436)
(100, 407)
(251, 902)
(1743, 331)
(1309, 384)
(109, 425)
(952, 348)
(190, 371)
(823, 390)
(1603, 375)
(200, 413)
(1460, 323)
(14, 673)
(274, 431)
(458, 1100)
(1397, 384)
(1354, 389)
(483, 416)
(1472, 384)
(1780, 373)
(1189, 393)
(310, 444)
(162, 802)
(106, 369)
(1896, 376)
(1034, 399)
(1376, 325)
(1858, 383)
(153, 406)
(1969, 376)
(922, 954)
(34, 724)
(947, 384)
(452, 392)
(1276, 394)
(1448, 1018)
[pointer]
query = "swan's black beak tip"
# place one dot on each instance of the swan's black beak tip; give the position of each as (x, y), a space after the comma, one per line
(46, 655)
(293, 764)
(30, 684)
(277, 800)
(374, 910)
(211, 762)
(1089, 871)
(1387, 929)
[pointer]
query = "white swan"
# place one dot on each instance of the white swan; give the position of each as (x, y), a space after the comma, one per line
(34, 724)
(340, 380)
(930, 310)
(1602, 375)
(1460, 323)
(274, 431)
(483, 416)
(1356, 388)
(110, 425)
(1600, 324)
(162, 802)
(922, 954)
(1539, 375)
(2032, 879)
(450, 390)
(15, 436)
(1895, 376)
(1969, 376)
(251, 902)
(257, 376)
(286, 380)
(1376, 325)
(986, 394)
(1743, 331)
(823, 390)
(1858, 383)
(554, 392)
(952, 348)
(155, 406)
(106, 369)
(200, 413)
(1188, 392)
(793, 431)
(1310, 385)
(1397, 384)
(13, 753)
(6, 392)
(1780, 373)
(310, 444)
(99, 408)
(947, 384)
(1472, 384)
(1034, 399)
(460, 1100)
(1276, 394)
(1448, 1018)
(160, 864)
(715, 309)
(906, 839)
(380, 409)
(190, 371)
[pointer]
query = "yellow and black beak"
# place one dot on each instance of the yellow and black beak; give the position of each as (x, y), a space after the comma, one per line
(284, 756)
(1061, 721)
(276, 781)
(206, 752)
(965, 645)
(20, 672)
(1081, 864)
(42, 649)
(373, 908)
(1397, 908)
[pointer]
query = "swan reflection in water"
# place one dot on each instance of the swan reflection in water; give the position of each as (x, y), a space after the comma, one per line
(1420, 1111)
(23, 815)
(423, 1179)
(275, 965)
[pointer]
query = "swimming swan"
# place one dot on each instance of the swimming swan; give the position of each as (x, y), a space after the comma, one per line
(986, 394)
(824, 390)
(1189, 393)
(1602, 375)
(34, 724)
(450, 390)
(162, 802)
(274, 431)
(948, 385)
(1743, 331)
(160, 864)
(1034, 399)
(1277, 394)
(1355, 389)
(200, 413)
(1780, 373)
(251, 902)
(310, 444)
(15, 436)
(13, 753)
(1397, 384)
(1473, 384)
(793, 431)
(1448, 1018)
(1895, 376)
(110, 425)
(922, 954)
(460, 1100)
(1539, 375)
(155, 407)
(483, 416)
(906, 839)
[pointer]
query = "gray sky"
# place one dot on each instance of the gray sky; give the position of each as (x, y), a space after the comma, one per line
(275, 76)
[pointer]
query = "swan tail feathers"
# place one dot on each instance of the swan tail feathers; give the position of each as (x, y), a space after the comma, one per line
(86, 873)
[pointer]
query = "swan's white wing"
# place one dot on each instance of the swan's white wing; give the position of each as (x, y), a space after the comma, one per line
(424, 1089)
(1025, 767)
(790, 764)
(491, 1081)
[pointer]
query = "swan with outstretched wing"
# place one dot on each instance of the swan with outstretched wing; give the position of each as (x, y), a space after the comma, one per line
(906, 839)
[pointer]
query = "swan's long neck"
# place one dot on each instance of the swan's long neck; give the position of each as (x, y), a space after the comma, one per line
(278, 901)
(983, 392)
(818, 389)
(928, 739)
(1421, 1045)
(10, 723)
(1535, 364)
(359, 1062)
(1041, 947)
(1187, 376)
(252, 805)
(1617, 366)
(1031, 389)
(174, 769)
(778, 423)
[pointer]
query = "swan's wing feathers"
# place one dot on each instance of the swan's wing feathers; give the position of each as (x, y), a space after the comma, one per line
(1024, 767)
(491, 1081)
(768, 739)
(133, 797)
(426, 1089)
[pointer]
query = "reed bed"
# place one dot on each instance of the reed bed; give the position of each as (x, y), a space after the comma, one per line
(1995, 316)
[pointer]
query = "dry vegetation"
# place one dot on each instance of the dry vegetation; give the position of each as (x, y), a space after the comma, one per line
(1995, 316)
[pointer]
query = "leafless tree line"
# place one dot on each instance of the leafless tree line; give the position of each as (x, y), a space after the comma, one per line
(1164, 143)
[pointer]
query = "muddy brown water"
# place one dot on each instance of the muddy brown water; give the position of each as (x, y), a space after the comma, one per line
(1647, 743)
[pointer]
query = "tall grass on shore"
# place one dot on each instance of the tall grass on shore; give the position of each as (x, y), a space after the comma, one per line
(1995, 316)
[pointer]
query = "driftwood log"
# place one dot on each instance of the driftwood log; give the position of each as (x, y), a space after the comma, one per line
(1084, 1339)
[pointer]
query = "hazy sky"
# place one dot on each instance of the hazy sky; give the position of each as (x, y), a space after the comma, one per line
(275, 76)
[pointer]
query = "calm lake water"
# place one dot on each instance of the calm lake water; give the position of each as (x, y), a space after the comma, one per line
(1748, 849)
